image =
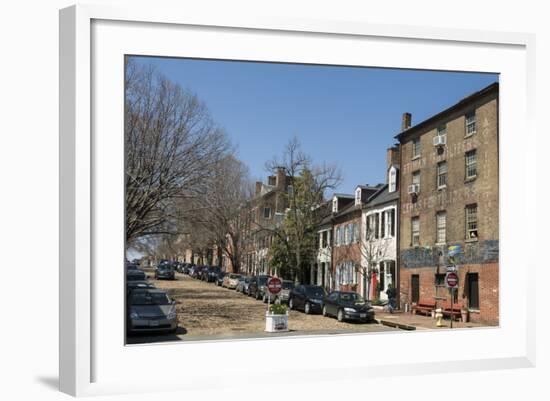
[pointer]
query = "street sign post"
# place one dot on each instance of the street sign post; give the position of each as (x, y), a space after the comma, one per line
(451, 281)
(274, 286)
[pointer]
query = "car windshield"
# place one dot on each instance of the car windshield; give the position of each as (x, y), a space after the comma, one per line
(149, 298)
(315, 292)
(351, 297)
(288, 285)
(234, 276)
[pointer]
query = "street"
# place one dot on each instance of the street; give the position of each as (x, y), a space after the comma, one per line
(208, 312)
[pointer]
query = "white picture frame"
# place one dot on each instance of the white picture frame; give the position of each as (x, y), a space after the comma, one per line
(93, 357)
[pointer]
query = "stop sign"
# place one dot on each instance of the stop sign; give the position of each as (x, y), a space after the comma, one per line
(274, 285)
(451, 279)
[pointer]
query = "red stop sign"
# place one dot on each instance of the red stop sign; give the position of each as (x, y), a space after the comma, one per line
(274, 285)
(452, 280)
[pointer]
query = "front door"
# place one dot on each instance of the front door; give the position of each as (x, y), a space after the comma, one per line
(415, 288)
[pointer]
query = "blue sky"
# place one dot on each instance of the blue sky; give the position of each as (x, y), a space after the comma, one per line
(343, 115)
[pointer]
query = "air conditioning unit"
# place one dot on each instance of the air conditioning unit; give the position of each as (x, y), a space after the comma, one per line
(414, 189)
(440, 140)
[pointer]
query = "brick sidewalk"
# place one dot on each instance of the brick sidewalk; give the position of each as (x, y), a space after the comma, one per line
(421, 322)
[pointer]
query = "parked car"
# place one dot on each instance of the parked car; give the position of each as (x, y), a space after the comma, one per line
(197, 271)
(283, 296)
(132, 285)
(219, 278)
(210, 273)
(348, 306)
(151, 310)
(309, 298)
(257, 286)
(165, 271)
(231, 280)
(242, 285)
(185, 268)
(135, 275)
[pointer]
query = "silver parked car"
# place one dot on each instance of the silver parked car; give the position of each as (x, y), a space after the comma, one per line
(242, 285)
(282, 297)
(231, 280)
(151, 310)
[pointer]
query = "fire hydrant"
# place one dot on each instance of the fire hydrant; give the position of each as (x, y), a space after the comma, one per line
(439, 317)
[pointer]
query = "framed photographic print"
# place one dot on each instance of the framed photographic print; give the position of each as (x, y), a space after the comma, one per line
(333, 190)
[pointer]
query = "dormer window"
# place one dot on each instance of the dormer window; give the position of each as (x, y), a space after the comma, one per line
(358, 197)
(334, 205)
(392, 179)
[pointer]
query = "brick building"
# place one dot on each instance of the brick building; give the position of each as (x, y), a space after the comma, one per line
(449, 196)
(261, 216)
(346, 251)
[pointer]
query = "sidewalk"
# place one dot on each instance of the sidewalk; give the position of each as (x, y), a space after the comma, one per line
(420, 322)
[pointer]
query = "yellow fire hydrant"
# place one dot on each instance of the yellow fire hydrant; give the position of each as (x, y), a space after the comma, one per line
(439, 317)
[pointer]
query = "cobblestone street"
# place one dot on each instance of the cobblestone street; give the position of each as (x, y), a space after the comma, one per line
(206, 311)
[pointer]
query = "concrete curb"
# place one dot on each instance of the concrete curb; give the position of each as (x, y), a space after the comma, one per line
(401, 326)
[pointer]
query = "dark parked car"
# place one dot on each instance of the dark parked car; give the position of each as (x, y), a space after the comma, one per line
(348, 306)
(309, 298)
(135, 275)
(196, 271)
(257, 286)
(165, 271)
(210, 273)
(219, 278)
(284, 295)
(151, 310)
(132, 285)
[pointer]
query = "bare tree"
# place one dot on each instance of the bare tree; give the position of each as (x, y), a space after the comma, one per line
(308, 186)
(172, 149)
(218, 210)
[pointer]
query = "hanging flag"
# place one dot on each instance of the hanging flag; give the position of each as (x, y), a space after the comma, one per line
(454, 250)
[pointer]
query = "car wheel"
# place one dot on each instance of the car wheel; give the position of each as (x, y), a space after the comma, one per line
(325, 311)
(307, 308)
(290, 304)
(340, 315)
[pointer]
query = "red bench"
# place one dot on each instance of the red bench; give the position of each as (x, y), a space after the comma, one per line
(423, 306)
(455, 312)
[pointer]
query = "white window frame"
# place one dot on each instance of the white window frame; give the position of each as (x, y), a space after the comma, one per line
(416, 148)
(440, 174)
(441, 225)
(415, 233)
(468, 164)
(470, 119)
(392, 180)
(468, 221)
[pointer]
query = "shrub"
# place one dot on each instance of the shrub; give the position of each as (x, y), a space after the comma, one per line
(277, 309)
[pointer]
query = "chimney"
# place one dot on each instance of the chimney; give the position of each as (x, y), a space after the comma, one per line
(392, 157)
(281, 178)
(258, 187)
(406, 121)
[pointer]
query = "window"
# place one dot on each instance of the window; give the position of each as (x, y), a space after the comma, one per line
(416, 148)
(267, 212)
(415, 231)
(358, 196)
(336, 236)
(471, 164)
(392, 180)
(472, 282)
(383, 224)
(368, 227)
(416, 179)
(470, 123)
(392, 222)
(356, 232)
(441, 175)
(376, 226)
(471, 221)
(441, 227)
(324, 239)
(442, 131)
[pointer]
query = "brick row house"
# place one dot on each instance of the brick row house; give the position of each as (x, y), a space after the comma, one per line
(449, 196)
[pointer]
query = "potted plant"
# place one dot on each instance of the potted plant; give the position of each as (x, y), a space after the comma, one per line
(276, 318)
(464, 313)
